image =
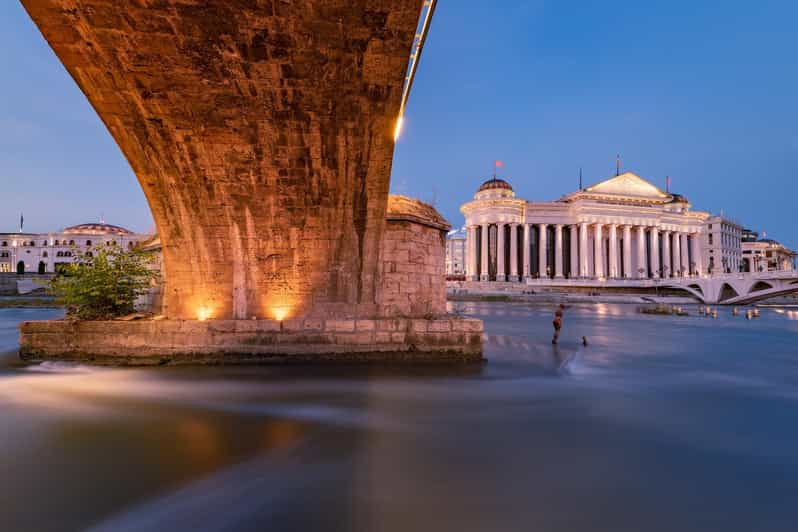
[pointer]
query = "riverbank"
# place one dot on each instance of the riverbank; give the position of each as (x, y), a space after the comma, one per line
(28, 302)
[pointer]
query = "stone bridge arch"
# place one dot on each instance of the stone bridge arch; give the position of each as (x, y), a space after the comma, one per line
(759, 286)
(261, 134)
(727, 292)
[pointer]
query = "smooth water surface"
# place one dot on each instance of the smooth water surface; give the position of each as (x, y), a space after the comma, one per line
(659, 424)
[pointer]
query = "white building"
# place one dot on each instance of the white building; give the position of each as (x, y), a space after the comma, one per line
(722, 245)
(765, 254)
(456, 252)
(620, 228)
(44, 252)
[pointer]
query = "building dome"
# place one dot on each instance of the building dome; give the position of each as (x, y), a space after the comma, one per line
(97, 229)
(495, 183)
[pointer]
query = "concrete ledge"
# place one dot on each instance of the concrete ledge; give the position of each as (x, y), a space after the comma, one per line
(148, 342)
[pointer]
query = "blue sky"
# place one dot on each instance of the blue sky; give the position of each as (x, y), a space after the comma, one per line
(706, 92)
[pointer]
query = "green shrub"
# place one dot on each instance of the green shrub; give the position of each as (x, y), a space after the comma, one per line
(104, 285)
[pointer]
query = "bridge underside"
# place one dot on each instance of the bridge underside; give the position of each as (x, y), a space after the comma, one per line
(261, 133)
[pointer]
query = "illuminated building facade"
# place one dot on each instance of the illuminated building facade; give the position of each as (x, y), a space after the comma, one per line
(456, 252)
(45, 252)
(621, 228)
(722, 245)
(765, 254)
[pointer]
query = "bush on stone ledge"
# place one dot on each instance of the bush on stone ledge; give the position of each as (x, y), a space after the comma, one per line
(103, 285)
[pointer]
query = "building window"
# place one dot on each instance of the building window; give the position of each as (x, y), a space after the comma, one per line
(44, 254)
(88, 242)
(5, 244)
(71, 242)
(89, 254)
(710, 237)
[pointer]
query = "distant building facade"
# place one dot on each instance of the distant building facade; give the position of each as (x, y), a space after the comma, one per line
(456, 252)
(765, 254)
(723, 252)
(46, 252)
(621, 228)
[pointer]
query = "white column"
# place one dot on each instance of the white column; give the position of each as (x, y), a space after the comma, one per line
(469, 252)
(699, 262)
(613, 251)
(542, 251)
(677, 254)
(641, 252)
(655, 252)
(574, 251)
(485, 272)
(583, 269)
(598, 251)
(558, 251)
(627, 252)
(500, 275)
(685, 256)
(527, 261)
(666, 254)
(513, 252)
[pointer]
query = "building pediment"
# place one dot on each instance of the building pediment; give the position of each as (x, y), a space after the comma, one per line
(627, 185)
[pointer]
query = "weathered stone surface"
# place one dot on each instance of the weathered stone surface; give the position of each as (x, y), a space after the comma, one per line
(413, 260)
(175, 341)
(261, 133)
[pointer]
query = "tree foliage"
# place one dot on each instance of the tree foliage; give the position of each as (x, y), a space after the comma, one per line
(104, 284)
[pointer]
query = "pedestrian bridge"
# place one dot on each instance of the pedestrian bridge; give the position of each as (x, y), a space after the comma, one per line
(727, 289)
(737, 289)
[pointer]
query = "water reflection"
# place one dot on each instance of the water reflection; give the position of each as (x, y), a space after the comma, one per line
(659, 423)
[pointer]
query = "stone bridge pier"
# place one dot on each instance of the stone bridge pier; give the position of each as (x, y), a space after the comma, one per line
(261, 132)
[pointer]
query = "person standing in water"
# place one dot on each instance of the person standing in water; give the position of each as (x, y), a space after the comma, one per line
(557, 323)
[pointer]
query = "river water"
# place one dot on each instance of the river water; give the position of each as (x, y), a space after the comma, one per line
(659, 424)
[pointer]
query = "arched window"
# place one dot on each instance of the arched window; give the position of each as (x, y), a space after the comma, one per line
(59, 254)
(67, 253)
(89, 254)
(88, 242)
(71, 242)
(44, 254)
(57, 243)
(5, 243)
(44, 243)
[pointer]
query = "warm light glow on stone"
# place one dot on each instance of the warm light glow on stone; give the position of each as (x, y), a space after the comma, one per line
(280, 313)
(398, 131)
(203, 313)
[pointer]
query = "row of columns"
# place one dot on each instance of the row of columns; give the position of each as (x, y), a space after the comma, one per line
(676, 257)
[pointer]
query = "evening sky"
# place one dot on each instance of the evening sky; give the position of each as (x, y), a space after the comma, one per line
(703, 91)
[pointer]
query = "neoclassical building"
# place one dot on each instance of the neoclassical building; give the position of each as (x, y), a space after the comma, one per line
(765, 254)
(620, 228)
(46, 252)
